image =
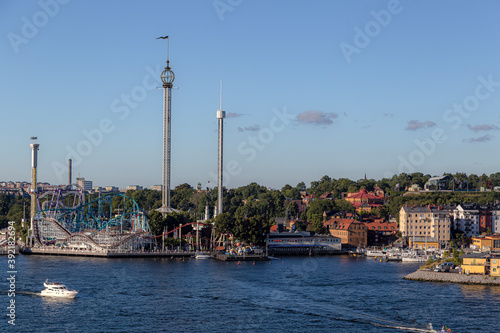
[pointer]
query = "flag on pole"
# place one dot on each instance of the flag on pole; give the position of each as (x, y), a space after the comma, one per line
(164, 37)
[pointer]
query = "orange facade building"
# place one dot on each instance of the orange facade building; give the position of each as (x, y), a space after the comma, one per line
(351, 232)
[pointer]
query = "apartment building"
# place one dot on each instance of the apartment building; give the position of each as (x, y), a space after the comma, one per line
(425, 222)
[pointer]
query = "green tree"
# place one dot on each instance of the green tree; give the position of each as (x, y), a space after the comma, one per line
(319, 228)
(225, 223)
(318, 207)
(293, 209)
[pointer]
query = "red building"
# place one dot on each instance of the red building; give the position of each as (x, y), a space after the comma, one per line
(485, 221)
(381, 232)
(366, 201)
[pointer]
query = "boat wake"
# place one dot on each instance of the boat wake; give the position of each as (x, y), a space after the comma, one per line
(28, 293)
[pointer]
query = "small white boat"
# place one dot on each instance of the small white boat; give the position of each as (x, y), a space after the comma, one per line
(56, 289)
(414, 258)
(375, 253)
(201, 255)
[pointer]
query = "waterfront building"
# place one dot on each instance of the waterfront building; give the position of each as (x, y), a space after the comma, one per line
(365, 201)
(495, 265)
(429, 221)
(351, 232)
(474, 263)
(380, 232)
(83, 184)
(302, 242)
(466, 219)
(424, 243)
(487, 243)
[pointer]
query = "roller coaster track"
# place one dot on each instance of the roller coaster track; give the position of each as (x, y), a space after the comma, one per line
(85, 239)
(185, 225)
(126, 239)
(59, 225)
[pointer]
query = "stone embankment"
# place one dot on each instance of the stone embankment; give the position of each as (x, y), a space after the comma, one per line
(453, 278)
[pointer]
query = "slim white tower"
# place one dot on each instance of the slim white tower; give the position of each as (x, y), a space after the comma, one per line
(34, 164)
(167, 77)
(221, 114)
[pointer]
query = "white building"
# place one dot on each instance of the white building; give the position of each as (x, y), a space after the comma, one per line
(466, 219)
(156, 187)
(495, 220)
(134, 187)
(112, 189)
(425, 222)
(86, 185)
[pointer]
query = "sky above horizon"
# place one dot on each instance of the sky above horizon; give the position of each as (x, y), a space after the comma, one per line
(310, 88)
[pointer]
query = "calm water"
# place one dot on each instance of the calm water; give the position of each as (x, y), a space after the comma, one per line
(322, 294)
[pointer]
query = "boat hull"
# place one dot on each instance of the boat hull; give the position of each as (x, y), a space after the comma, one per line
(67, 294)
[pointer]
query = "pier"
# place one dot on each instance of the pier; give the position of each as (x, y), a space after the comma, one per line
(429, 276)
(46, 251)
(247, 257)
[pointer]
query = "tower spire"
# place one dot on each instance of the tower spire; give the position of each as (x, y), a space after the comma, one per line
(167, 77)
(221, 114)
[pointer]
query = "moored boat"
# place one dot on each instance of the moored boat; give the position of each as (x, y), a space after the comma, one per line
(201, 255)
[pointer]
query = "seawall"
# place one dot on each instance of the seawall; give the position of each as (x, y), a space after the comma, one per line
(453, 278)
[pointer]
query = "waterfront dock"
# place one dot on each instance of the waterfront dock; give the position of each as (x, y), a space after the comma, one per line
(104, 254)
(4, 250)
(429, 276)
(247, 257)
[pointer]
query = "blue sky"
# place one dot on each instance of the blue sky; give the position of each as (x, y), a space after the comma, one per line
(312, 88)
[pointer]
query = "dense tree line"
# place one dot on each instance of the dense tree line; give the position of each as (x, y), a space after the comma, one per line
(250, 210)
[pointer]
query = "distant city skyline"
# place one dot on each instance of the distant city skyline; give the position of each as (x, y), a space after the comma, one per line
(310, 89)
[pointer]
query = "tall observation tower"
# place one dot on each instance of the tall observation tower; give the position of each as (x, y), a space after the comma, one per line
(34, 163)
(221, 114)
(167, 77)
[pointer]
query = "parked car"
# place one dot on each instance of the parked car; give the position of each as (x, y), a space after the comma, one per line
(444, 267)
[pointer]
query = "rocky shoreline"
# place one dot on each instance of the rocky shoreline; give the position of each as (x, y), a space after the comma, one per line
(453, 278)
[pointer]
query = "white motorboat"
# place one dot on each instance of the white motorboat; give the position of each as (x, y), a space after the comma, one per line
(414, 258)
(56, 289)
(201, 255)
(375, 253)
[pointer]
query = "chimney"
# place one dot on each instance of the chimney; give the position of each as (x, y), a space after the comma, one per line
(69, 172)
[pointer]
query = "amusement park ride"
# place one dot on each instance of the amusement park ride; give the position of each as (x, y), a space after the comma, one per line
(60, 217)
(111, 222)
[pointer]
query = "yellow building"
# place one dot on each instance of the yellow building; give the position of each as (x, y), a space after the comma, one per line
(474, 263)
(491, 243)
(495, 266)
(422, 243)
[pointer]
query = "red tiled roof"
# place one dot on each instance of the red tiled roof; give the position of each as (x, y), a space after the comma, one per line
(363, 194)
(341, 223)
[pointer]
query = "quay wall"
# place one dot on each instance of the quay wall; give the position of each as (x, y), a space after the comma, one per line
(102, 254)
(452, 278)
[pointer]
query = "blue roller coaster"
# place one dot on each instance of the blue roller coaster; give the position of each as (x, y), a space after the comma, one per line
(112, 221)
